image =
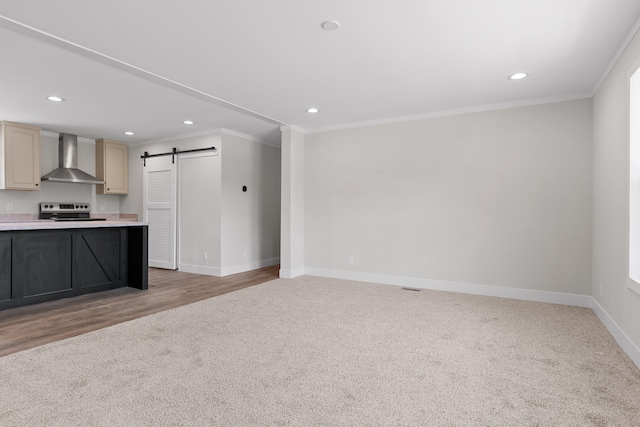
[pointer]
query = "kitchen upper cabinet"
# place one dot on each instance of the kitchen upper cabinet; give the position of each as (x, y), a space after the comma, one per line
(20, 163)
(112, 167)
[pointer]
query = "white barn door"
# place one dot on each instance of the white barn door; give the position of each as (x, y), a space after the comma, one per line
(159, 206)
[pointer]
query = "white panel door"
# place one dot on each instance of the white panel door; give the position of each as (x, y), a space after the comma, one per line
(159, 206)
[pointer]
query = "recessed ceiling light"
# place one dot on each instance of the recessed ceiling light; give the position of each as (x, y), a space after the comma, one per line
(312, 110)
(330, 25)
(518, 76)
(55, 98)
(128, 133)
(188, 122)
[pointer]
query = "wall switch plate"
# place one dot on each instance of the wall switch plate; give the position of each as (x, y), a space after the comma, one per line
(204, 256)
(350, 260)
(9, 207)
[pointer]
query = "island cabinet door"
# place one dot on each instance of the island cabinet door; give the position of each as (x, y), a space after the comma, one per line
(98, 257)
(5, 269)
(41, 264)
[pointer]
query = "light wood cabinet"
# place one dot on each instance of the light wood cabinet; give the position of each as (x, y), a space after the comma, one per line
(112, 167)
(20, 163)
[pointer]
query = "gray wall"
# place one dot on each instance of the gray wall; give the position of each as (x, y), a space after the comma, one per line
(251, 219)
(610, 196)
(499, 198)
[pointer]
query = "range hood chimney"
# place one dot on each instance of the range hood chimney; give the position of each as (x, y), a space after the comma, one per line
(68, 163)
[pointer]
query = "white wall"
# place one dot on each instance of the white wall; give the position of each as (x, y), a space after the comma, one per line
(610, 197)
(199, 216)
(251, 219)
(292, 204)
(28, 202)
(500, 198)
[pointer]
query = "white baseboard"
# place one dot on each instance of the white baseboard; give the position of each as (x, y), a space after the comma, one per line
(227, 271)
(623, 340)
(199, 269)
(466, 288)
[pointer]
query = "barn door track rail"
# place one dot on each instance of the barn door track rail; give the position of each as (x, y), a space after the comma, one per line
(173, 153)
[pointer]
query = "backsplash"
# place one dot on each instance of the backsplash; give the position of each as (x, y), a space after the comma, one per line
(116, 217)
(18, 217)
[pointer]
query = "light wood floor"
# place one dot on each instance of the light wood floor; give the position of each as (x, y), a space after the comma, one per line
(26, 327)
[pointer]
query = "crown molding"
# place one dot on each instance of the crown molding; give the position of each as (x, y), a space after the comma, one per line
(616, 56)
(454, 112)
(176, 137)
(216, 131)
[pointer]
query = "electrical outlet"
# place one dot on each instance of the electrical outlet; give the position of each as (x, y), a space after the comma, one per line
(350, 260)
(601, 291)
(9, 207)
(204, 256)
(102, 206)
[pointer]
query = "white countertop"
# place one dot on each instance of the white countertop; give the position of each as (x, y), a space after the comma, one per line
(53, 225)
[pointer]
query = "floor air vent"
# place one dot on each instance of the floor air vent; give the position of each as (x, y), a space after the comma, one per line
(411, 289)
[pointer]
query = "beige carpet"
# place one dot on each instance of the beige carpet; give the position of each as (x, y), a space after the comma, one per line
(321, 352)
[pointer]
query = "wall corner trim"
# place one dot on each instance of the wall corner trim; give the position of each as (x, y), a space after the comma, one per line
(292, 127)
(199, 269)
(286, 273)
(621, 338)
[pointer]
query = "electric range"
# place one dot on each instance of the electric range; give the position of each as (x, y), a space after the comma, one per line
(80, 211)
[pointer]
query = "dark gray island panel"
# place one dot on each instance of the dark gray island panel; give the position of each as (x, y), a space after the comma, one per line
(138, 254)
(98, 257)
(5, 268)
(44, 265)
(41, 264)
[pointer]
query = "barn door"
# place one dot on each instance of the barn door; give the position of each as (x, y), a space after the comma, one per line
(159, 206)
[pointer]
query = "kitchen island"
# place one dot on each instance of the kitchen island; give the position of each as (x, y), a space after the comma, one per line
(47, 260)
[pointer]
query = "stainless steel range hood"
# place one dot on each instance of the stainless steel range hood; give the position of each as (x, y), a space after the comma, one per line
(68, 163)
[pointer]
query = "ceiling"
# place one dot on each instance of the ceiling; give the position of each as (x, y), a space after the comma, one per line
(252, 66)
